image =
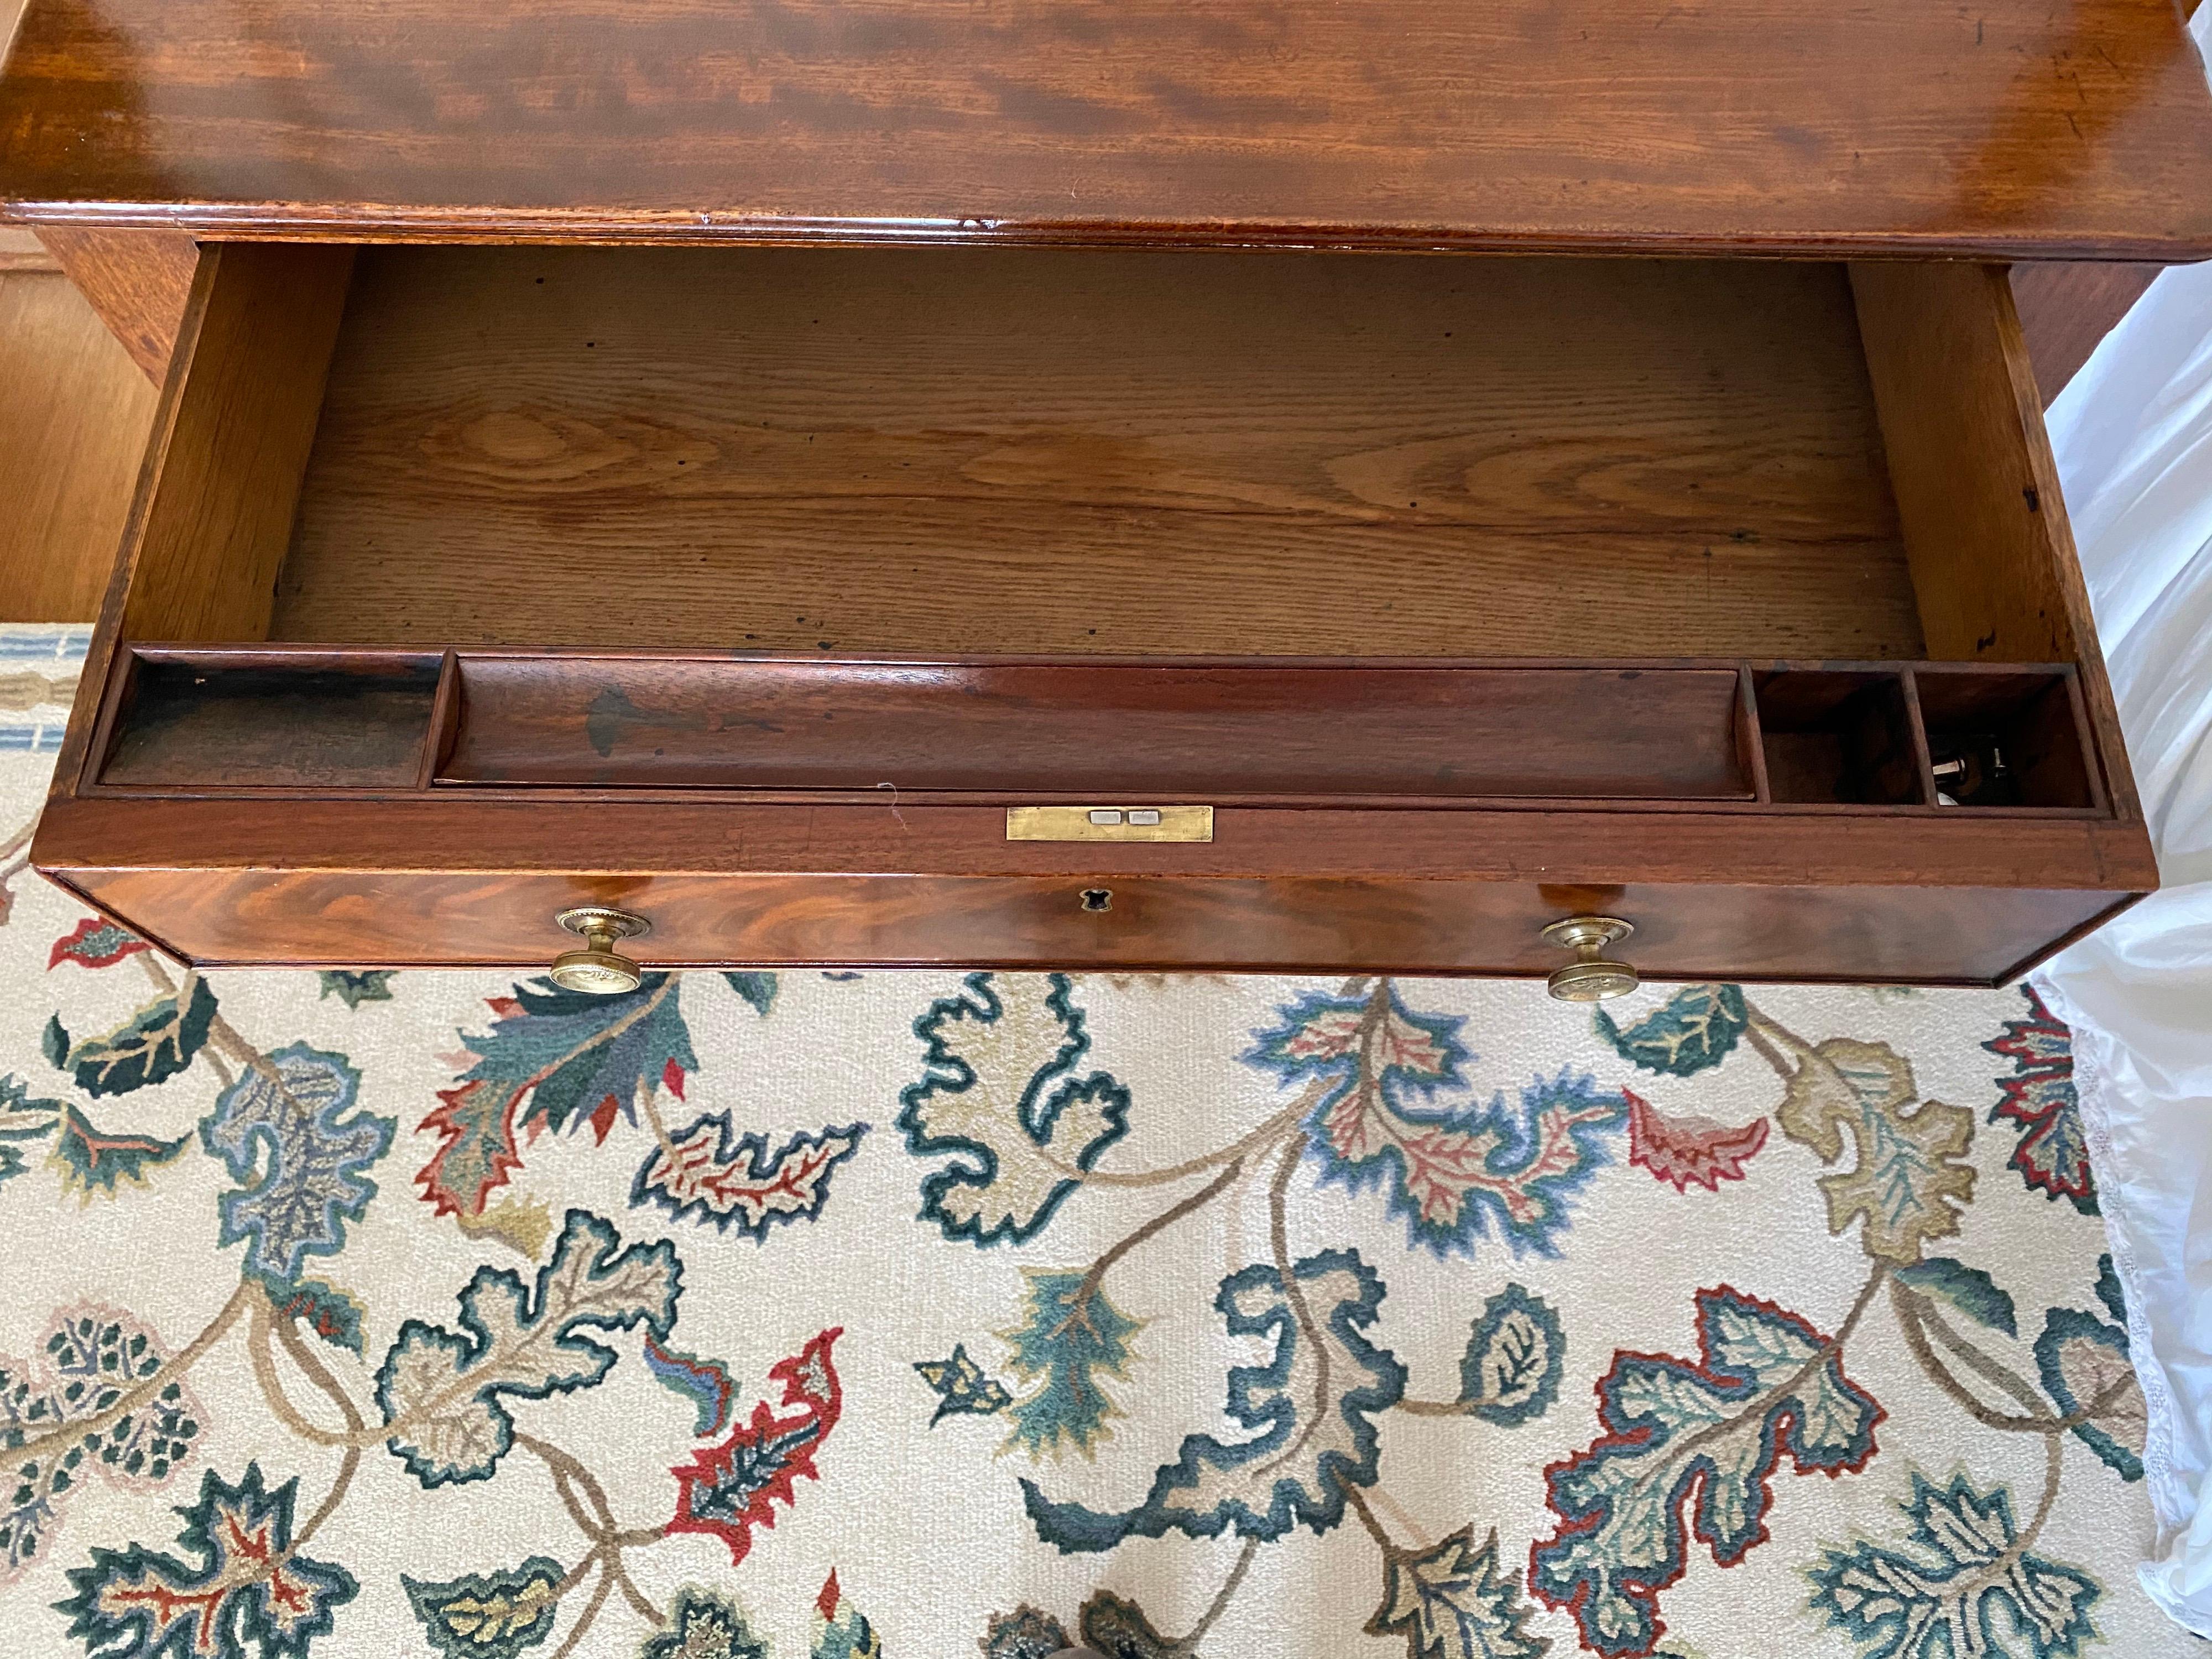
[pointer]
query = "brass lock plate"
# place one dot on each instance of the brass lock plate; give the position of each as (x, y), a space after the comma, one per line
(1110, 823)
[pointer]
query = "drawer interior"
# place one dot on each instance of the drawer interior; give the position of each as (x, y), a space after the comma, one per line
(1279, 524)
(1015, 450)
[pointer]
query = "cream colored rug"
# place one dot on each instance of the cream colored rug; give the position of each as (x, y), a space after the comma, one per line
(924, 1314)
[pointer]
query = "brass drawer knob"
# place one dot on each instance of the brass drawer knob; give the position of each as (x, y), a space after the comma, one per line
(599, 967)
(1590, 977)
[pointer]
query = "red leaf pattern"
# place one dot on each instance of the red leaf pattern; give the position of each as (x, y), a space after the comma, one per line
(1680, 1149)
(728, 1490)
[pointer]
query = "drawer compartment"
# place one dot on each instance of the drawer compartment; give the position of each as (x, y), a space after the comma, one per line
(1660, 579)
(1225, 732)
(262, 720)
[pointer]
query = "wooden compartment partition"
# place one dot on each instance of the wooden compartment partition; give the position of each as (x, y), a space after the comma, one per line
(747, 588)
(1776, 736)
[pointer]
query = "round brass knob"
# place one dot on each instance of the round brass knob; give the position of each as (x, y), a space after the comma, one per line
(599, 967)
(1590, 977)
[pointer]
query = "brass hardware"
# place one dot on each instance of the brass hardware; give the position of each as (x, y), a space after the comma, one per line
(599, 967)
(1589, 978)
(1110, 823)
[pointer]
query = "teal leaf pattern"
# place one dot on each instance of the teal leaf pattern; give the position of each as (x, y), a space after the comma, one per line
(329, 1314)
(707, 1383)
(247, 1594)
(1702, 1436)
(493, 1615)
(703, 1625)
(1452, 1172)
(288, 1129)
(1071, 1337)
(152, 1046)
(758, 988)
(2109, 1291)
(2084, 1366)
(962, 1386)
(1970, 1289)
(95, 1162)
(1000, 1092)
(1311, 1443)
(369, 984)
(709, 1172)
(1959, 1587)
(1696, 1028)
(1515, 1356)
(553, 1060)
(1450, 1601)
(23, 1119)
(443, 1392)
(90, 1356)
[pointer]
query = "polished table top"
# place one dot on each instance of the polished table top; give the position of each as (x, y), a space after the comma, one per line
(2013, 128)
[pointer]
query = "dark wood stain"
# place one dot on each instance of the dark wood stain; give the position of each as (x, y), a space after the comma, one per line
(1151, 733)
(1765, 124)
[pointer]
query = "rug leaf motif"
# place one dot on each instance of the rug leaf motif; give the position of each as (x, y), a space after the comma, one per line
(1311, 1443)
(1910, 1181)
(1450, 1601)
(1691, 1445)
(442, 1391)
(1960, 1587)
(999, 1092)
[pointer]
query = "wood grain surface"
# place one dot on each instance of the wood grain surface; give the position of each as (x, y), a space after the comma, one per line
(969, 451)
(2010, 127)
(1985, 525)
(585, 836)
(2066, 305)
(74, 415)
(1113, 732)
(1883, 935)
(136, 280)
(303, 727)
(223, 479)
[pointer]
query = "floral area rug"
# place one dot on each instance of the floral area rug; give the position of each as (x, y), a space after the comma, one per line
(924, 1315)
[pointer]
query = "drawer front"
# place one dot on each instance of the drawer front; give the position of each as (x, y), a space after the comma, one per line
(315, 918)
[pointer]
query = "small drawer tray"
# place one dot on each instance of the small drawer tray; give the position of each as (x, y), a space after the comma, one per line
(1780, 737)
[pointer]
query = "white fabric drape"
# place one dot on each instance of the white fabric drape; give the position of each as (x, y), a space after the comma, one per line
(2133, 433)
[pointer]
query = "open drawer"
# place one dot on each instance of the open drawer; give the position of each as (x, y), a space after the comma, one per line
(1070, 607)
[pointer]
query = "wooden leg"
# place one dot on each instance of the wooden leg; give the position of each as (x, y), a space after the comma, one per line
(2066, 306)
(136, 280)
